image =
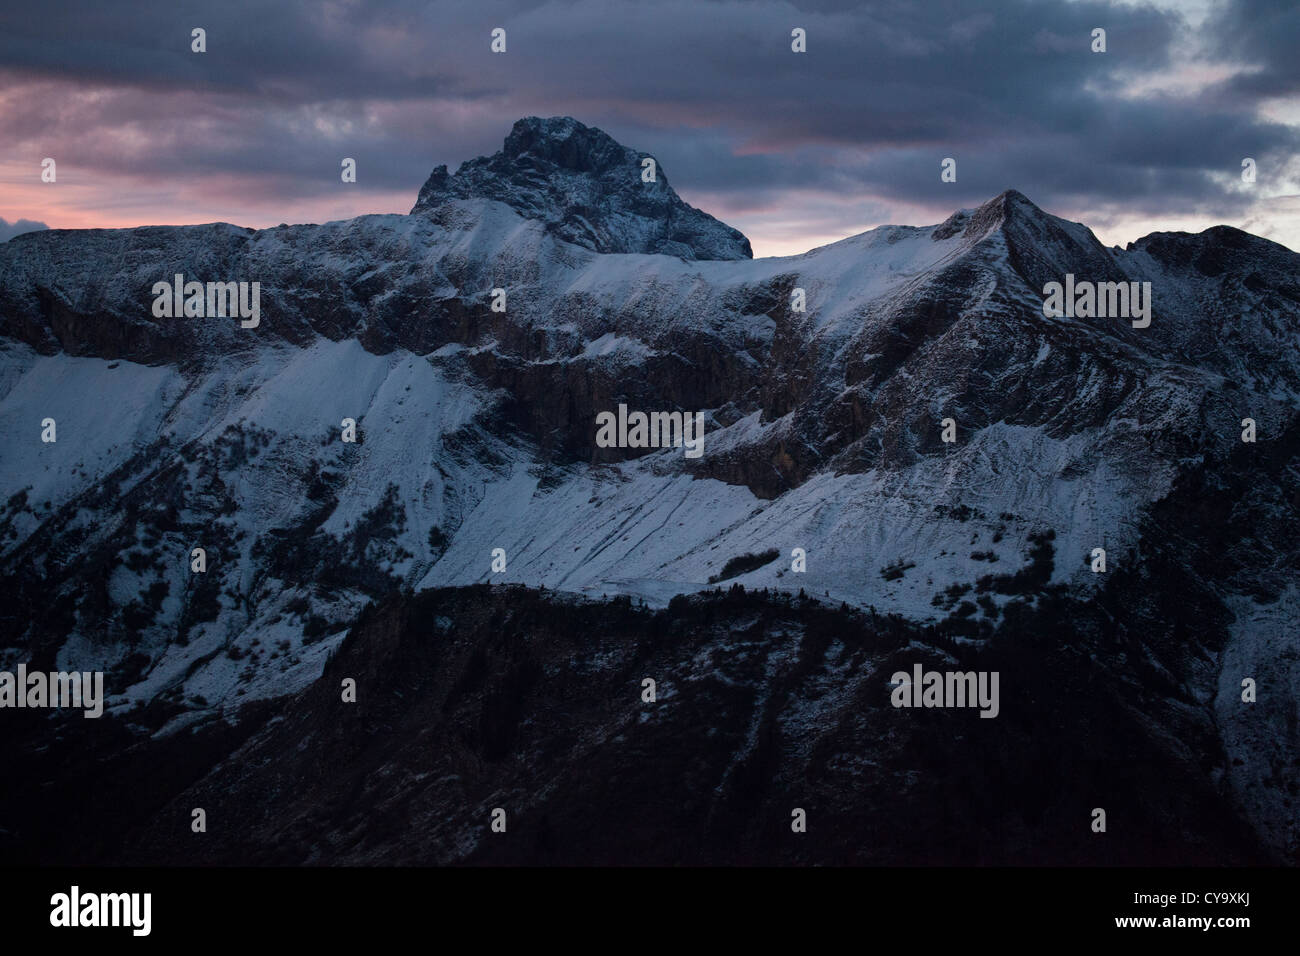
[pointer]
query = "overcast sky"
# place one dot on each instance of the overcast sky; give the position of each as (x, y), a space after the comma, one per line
(793, 149)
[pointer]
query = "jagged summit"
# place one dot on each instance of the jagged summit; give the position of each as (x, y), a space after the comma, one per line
(587, 188)
(1007, 205)
(1038, 245)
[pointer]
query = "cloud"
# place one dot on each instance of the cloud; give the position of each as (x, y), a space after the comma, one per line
(10, 229)
(1263, 35)
(1158, 124)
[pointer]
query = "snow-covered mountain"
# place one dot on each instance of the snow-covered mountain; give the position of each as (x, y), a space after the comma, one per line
(477, 430)
(574, 179)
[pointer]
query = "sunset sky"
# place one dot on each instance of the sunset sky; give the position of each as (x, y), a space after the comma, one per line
(795, 150)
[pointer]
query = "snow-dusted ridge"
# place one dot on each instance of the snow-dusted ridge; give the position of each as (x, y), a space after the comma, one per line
(477, 427)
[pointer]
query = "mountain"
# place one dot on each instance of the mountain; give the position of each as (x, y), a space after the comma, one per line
(476, 430)
(575, 179)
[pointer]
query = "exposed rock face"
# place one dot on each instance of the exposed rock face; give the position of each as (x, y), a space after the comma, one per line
(588, 190)
(477, 431)
(473, 699)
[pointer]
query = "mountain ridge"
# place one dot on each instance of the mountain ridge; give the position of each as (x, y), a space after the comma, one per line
(477, 431)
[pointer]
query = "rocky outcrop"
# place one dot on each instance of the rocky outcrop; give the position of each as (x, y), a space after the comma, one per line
(588, 190)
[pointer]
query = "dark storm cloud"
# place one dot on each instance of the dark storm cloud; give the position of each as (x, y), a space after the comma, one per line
(292, 51)
(1009, 89)
(1264, 34)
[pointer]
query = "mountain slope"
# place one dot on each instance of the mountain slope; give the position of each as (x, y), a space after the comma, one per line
(477, 431)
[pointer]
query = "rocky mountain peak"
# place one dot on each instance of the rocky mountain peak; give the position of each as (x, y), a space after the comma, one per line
(1040, 246)
(588, 190)
(1002, 208)
(566, 143)
(1008, 206)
